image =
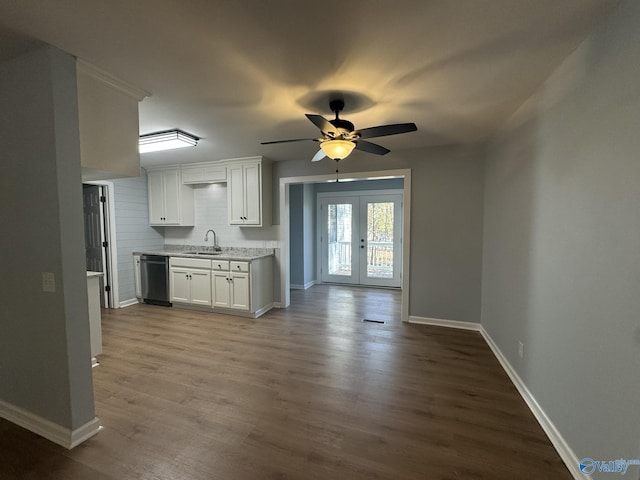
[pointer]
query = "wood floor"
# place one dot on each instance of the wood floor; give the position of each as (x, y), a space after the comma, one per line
(310, 392)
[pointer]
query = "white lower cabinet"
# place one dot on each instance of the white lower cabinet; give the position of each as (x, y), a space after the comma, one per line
(228, 286)
(230, 289)
(190, 280)
(220, 289)
(239, 292)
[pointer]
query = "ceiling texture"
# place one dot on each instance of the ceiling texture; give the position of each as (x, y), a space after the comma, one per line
(238, 72)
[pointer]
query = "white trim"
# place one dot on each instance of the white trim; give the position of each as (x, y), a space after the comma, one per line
(277, 305)
(113, 248)
(128, 303)
(322, 199)
(85, 432)
(360, 193)
(438, 322)
(567, 454)
(303, 287)
(64, 437)
(105, 77)
(563, 448)
(404, 173)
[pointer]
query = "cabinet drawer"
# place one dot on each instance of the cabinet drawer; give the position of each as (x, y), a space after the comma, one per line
(220, 265)
(239, 266)
(190, 262)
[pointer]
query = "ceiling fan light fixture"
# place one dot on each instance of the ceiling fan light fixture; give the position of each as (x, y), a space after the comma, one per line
(166, 140)
(337, 149)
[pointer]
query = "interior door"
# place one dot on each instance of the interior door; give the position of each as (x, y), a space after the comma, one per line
(361, 239)
(92, 227)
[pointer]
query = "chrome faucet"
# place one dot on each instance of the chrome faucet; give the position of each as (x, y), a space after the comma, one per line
(215, 240)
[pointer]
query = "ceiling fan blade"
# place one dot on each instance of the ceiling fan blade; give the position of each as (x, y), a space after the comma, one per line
(318, 156)
(371, 147)
(292, 140)
(322, 123)
(383, 130)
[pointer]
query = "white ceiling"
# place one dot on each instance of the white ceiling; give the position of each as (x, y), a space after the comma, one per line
(238, 72)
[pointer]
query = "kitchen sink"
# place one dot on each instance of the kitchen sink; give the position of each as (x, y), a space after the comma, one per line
(202, 253)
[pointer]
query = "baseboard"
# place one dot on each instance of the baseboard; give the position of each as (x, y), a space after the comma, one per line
(128, 303)
(85, 432)
(64, 437)
(303, 287)
(438, 322)
(567, 454)
(277, 305)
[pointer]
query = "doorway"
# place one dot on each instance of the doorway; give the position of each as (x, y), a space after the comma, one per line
(284, 260)
(360, 240)
(97, 233)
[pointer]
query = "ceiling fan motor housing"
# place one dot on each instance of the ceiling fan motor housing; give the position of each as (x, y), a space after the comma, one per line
(345, 127)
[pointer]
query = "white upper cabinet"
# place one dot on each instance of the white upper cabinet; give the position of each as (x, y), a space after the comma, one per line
(199, 173)
(170, 202)
(249, 192)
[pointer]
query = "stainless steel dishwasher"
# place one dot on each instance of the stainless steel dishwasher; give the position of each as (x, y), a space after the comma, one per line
(154, 273)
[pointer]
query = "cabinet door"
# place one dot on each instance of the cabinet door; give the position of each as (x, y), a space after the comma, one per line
(252, 195)
(156, 198)
(171, 185)
(220, 289)
(200, 287)
(235, 195)
(240, 291)
(179, 285)
(136, 275)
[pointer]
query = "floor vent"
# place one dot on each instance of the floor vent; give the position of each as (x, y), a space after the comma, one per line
(370, 320)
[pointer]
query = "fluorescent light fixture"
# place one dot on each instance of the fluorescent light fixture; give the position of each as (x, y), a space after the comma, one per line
(166, 140)
(337, 149)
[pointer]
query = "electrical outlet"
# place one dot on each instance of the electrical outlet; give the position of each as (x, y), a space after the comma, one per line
(521, 349)
(48, 282)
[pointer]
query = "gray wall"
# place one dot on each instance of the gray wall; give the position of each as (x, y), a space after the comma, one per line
(296, 235)
(446, 222)
(309, 233)
(561, 243)
(133, 232)
(45, 360)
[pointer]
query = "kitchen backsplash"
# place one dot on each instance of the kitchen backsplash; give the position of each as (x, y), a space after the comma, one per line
(211, 213)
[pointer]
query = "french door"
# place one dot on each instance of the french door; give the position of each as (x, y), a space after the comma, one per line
(360, 239)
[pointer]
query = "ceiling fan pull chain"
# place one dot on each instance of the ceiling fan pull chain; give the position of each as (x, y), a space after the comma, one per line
(337, 169)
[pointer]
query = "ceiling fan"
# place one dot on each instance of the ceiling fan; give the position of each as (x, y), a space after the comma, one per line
(340, 138)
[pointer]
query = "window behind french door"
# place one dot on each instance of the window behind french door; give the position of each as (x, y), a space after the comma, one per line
(360, 238)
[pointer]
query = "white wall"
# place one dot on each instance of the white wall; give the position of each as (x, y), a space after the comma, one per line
(45, 364)
(210, 203)
(561, 243)
(133, 232)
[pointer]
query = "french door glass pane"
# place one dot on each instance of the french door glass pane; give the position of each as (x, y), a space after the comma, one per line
(339, 238)
(380, 240)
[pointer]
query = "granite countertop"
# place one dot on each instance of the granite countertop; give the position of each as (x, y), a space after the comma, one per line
(207, 252)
